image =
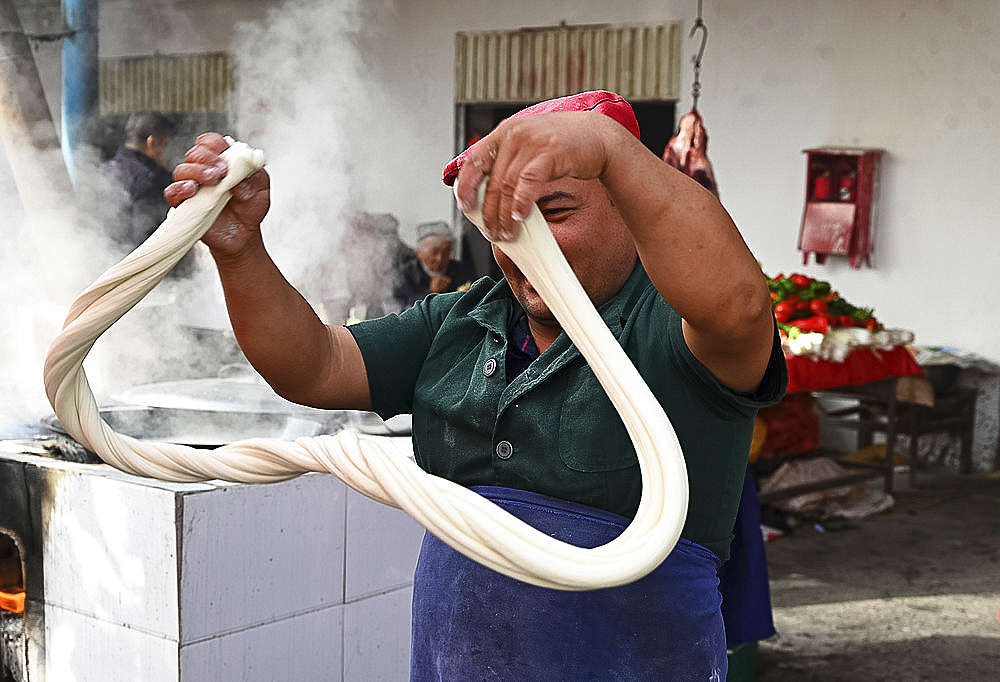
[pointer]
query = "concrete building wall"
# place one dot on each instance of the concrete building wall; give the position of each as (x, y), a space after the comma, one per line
(363, 101)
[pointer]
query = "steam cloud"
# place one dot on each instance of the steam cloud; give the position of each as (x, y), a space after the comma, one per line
(303, 99)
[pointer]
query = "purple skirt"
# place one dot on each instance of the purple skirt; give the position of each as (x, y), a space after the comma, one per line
(472, 623)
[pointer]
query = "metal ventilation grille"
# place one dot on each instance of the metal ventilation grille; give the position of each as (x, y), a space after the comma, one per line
(637, 62)
(171, 84)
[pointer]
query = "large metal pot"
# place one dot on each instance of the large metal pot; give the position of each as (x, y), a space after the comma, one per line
(236, 391)
(236, 405)
(199, 428)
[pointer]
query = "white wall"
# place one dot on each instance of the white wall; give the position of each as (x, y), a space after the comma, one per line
(919, 78)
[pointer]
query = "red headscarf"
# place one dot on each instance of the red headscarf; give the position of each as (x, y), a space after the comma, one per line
(607, 103)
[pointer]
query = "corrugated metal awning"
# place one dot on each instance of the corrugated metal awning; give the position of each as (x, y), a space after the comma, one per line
(196, 83)
(528, 65)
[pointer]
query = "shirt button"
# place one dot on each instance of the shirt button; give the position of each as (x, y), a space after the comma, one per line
(490, 367)
(504, 449)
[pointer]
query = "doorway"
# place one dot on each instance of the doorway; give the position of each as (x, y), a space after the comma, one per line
(657, 122)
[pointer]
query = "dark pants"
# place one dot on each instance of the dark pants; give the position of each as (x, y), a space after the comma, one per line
(743, 581)
(472, 623)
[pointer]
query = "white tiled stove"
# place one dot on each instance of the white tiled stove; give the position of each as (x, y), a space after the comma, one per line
(145, 580)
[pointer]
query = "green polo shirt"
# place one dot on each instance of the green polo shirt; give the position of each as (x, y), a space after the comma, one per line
(553, 430)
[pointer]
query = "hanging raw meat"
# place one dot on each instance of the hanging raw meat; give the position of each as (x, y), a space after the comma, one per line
(687, 151)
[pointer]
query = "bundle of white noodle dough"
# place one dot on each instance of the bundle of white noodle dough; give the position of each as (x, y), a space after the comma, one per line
(458, 516)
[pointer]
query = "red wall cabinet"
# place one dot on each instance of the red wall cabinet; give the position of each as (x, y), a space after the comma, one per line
(841, 190)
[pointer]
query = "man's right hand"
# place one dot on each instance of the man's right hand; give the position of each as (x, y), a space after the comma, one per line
(239, 222)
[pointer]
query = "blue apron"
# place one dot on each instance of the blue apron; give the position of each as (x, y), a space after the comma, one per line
(472, 623)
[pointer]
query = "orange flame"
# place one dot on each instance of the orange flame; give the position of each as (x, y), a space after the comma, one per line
(12, 601)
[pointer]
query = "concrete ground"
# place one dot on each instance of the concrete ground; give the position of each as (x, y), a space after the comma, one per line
(912, 593)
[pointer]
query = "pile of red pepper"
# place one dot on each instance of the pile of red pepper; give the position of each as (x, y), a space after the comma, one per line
(805, 304)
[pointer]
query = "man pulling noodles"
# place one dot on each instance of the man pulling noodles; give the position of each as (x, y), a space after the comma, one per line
(503, 402)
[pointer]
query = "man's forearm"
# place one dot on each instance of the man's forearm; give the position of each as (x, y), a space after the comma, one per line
(698, 261)
(689, 245)
(276, 328)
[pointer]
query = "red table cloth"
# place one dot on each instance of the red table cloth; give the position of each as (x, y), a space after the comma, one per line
(862, 366)
(793, 425)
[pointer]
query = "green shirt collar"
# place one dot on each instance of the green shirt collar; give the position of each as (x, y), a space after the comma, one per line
(499, 307)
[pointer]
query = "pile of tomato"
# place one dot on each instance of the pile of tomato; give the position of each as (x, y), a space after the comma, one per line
(805, 304)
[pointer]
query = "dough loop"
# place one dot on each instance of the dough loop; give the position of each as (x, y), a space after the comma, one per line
(370, 464)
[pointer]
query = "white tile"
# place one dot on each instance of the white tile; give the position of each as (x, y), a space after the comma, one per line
(306, 647)
(382, 547)
(377, 637)
(80, 648)
(253, 554)
(109, 551)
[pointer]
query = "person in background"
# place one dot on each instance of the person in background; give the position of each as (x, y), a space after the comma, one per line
(504, 403)
(132, 205)
(431, 269)
(372, 270)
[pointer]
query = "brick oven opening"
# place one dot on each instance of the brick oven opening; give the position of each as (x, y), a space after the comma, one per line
(12, 658)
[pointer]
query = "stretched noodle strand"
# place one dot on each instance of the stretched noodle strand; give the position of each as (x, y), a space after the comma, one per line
(371, 465)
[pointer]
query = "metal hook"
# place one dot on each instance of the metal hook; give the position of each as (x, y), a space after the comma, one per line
(699, 24)
(696, 83)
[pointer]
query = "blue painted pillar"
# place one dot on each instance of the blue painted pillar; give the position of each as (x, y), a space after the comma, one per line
(80, 82)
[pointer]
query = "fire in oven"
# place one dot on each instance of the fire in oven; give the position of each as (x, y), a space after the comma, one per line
(22, 628)
(12, 649)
